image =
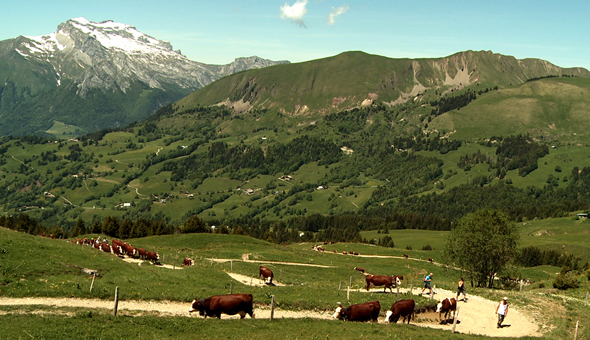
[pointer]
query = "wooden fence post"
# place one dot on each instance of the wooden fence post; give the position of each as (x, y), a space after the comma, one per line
(412, 287)
(231, 269)
(455, 319)
(586, 303)
(272, 308)
(351, 281)
(521, 283)
(116, 301)
(94, 277)
(348, 294)
(252, 278)
(340, 286)
(576, 334)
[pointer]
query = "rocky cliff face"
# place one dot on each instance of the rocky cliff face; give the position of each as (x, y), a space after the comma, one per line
(110, 55)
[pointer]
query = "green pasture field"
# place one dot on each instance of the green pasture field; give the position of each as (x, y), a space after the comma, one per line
(566, 234)
(32, 266)
(538, 107)
(416, 239)
(100, 324)
(61, 130)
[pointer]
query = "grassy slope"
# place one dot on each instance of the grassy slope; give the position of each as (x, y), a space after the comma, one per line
(555, 108)
(34, 266)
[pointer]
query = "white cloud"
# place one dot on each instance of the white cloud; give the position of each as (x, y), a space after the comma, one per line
(295, 13)
(336, 12)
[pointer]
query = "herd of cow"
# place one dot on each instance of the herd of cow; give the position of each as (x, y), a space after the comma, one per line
(242, 304)
(120, 249)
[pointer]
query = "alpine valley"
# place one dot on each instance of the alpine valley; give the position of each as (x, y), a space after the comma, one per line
(88, 76)
(318, 150)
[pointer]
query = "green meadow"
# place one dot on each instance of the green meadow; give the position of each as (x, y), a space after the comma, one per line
(33, 266)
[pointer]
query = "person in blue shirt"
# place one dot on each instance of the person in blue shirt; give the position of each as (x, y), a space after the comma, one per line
(427, 284)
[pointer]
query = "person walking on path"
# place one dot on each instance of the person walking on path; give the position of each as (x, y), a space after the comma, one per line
(427, 284)
(461, 289)
(502, 311)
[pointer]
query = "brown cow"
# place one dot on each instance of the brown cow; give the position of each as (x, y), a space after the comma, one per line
(403, 308)
(265, 273)
(130, 250)
(383, 280)
(431, 260)
(105, 247)
(188, 261)
(117, 250)
(406, 256)
(153, 256)
(117, 242)
(447, 305)
(228, 304)
(368, 311)
(142, 253)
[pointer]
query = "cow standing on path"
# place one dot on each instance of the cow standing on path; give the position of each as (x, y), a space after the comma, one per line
(224, 304)
(153, 256)
(383, 280)
(188, 262)
(368, 311)
(265, 273)
(447, 306)
(142, 253)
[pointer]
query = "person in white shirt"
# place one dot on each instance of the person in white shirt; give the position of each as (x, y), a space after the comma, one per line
(502, 311)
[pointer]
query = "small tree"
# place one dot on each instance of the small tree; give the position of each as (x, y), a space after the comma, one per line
(482, 243)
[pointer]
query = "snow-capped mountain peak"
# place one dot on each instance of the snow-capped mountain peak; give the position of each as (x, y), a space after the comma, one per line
(109, 55)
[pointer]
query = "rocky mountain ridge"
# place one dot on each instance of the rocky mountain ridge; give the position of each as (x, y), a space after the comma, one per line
(83, 56)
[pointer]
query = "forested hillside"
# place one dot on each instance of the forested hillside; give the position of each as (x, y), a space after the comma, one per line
(284, 178)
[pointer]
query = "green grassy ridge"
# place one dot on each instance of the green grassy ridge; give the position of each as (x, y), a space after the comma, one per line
(552, 108)
(353, 76)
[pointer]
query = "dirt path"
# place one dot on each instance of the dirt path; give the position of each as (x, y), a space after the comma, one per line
(245, 258)
(167, 308)
(143, 262)
(477, 316)
(250, 281)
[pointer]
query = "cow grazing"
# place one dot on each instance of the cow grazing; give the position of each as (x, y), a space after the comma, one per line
(431, 260)
(362, 270)
(188, 262)
(447, 306)
(383, 280)
(224, 304)
(403, 308)
(265, 273)
(142, 253)
(153, 256)
(406, 256)
(368, 311)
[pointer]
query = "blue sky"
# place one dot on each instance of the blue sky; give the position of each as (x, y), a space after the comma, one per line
(218, 31)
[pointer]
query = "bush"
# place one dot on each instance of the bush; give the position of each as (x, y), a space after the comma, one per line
(565, 281)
